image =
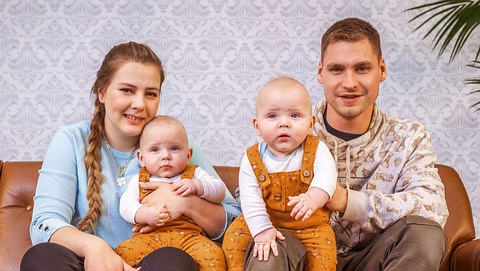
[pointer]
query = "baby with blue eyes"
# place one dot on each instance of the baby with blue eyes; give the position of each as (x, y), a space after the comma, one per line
(164, 156)
(285, 181)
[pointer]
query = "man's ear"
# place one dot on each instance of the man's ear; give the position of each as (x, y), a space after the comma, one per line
(383, 70)
(255, 125)
(319, 72)
(140, 158)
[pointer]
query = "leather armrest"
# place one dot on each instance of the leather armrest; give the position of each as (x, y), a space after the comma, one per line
(459, 227)
(18, 181)
(466, 257)
(229, 176)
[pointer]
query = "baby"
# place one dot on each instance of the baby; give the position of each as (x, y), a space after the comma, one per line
(164, 155)
(284, 182)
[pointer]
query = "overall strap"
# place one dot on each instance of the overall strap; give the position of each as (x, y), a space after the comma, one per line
(308, 160)
(189, 172)
(144, 177)
(258, 167)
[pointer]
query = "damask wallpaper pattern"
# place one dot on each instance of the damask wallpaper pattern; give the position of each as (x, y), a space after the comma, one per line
(217, 54)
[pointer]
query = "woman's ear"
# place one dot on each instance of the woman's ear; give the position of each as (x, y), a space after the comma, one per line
(101, 95)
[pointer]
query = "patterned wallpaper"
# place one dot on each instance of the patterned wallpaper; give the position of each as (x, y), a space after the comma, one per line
(217, 53)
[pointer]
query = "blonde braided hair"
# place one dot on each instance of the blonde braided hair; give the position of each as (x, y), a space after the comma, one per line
(115, 58)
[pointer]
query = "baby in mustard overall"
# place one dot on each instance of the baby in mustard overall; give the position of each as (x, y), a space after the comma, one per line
(284, 183)
(164, 156)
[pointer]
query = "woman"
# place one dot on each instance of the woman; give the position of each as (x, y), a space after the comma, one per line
(76, 221)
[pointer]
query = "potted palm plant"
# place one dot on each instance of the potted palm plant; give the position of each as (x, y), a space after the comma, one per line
(453, 22)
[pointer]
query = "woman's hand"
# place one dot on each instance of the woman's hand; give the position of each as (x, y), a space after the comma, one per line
(97, 254)
(127, 267)
(100, 257)
(208, 215)
(161, 196)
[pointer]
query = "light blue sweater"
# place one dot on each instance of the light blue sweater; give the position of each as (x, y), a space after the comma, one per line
(61, 201)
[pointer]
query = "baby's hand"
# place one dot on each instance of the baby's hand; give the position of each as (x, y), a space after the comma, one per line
(152, 215)
(304, 208)
(185, 187)
(264, 241)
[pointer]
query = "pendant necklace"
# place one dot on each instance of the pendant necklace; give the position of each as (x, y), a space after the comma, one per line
(121, 180)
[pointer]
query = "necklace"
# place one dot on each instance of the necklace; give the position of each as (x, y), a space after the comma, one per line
(121, 180)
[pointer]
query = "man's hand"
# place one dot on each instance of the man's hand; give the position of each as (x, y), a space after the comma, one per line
(338, 202)
(264, 241)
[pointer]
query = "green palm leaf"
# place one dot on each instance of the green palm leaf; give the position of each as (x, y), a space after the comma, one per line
(474, 81)
(454, 20)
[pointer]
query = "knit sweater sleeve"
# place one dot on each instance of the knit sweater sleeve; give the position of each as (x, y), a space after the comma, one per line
(415, 186)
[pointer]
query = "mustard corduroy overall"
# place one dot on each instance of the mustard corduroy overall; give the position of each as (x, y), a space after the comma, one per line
(181, 233)
(315, 233)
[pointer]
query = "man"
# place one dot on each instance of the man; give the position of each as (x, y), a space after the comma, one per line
(389, 206)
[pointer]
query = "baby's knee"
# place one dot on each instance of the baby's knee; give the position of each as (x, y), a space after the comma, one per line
(237, 237)
(214, 251)
(210, 257)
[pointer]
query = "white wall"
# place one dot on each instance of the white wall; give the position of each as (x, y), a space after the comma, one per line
(217, 53)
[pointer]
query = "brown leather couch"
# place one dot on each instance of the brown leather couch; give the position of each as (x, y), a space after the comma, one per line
(18, 182)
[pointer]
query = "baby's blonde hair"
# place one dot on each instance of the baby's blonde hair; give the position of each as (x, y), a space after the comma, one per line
(164, 120)
(282, 81)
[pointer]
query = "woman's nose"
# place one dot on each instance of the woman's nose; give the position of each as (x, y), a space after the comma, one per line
(138, 102)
